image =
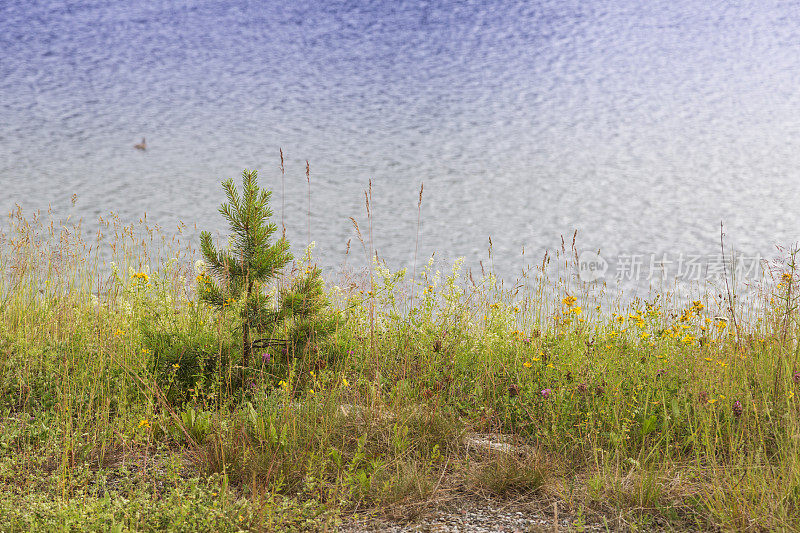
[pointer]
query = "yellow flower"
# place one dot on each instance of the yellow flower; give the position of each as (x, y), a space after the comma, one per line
(119, 333)
(344, 382)
(311, 392)
(527, 364)
(282, 384)
(176, 366)
(577, 310)
(569, 301)
(144, 423)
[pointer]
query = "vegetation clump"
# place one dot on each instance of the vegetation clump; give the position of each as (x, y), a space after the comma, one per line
(326, 402)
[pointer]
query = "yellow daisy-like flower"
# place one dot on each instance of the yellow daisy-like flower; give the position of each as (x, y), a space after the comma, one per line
(569, 301)
(577, 310)
(145, 423)
(527, 364)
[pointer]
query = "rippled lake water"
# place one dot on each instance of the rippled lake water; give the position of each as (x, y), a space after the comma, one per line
(640, 124)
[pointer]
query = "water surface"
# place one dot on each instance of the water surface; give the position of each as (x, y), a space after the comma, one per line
(640, 124)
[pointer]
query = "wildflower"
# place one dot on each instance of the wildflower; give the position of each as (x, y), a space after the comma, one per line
(546, 392)
(660, 373)
(265, 357)
(737, 408)
(282, 384)
(145, 423)
(535, 359)
(569, 301)
(527, 364)
(344, 382)
(311, 392)
(119, 333)
(140, 276)
(175, 366)
(796, 376)
(577, 310)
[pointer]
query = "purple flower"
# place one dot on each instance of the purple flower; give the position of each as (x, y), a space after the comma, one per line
(265, 357)
(796, 376)
(660, 373)
(349, 352)
(546, 393)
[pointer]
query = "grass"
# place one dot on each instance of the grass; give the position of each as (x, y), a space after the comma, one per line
(120, 407)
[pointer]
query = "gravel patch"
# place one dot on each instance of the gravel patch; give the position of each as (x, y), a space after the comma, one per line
(478, 517)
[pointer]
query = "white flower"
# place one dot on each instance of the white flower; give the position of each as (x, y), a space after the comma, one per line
(200, 266)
